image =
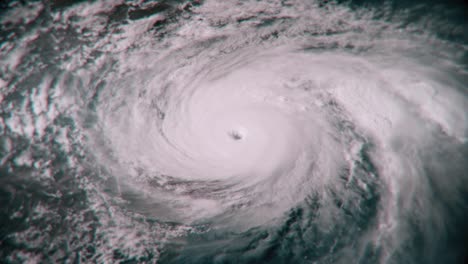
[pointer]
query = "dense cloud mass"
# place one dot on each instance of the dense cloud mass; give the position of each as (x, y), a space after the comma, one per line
(233, 132)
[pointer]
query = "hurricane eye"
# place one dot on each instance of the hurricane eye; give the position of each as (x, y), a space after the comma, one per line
(235, 135)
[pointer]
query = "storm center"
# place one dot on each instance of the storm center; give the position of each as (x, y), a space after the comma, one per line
(236, 135)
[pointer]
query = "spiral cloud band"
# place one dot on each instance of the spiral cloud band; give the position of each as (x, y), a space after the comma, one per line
(250, 132)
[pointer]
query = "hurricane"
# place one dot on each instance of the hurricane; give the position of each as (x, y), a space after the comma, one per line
(238, 131)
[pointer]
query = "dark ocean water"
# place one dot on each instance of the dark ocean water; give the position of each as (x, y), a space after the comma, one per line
(117, 121)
